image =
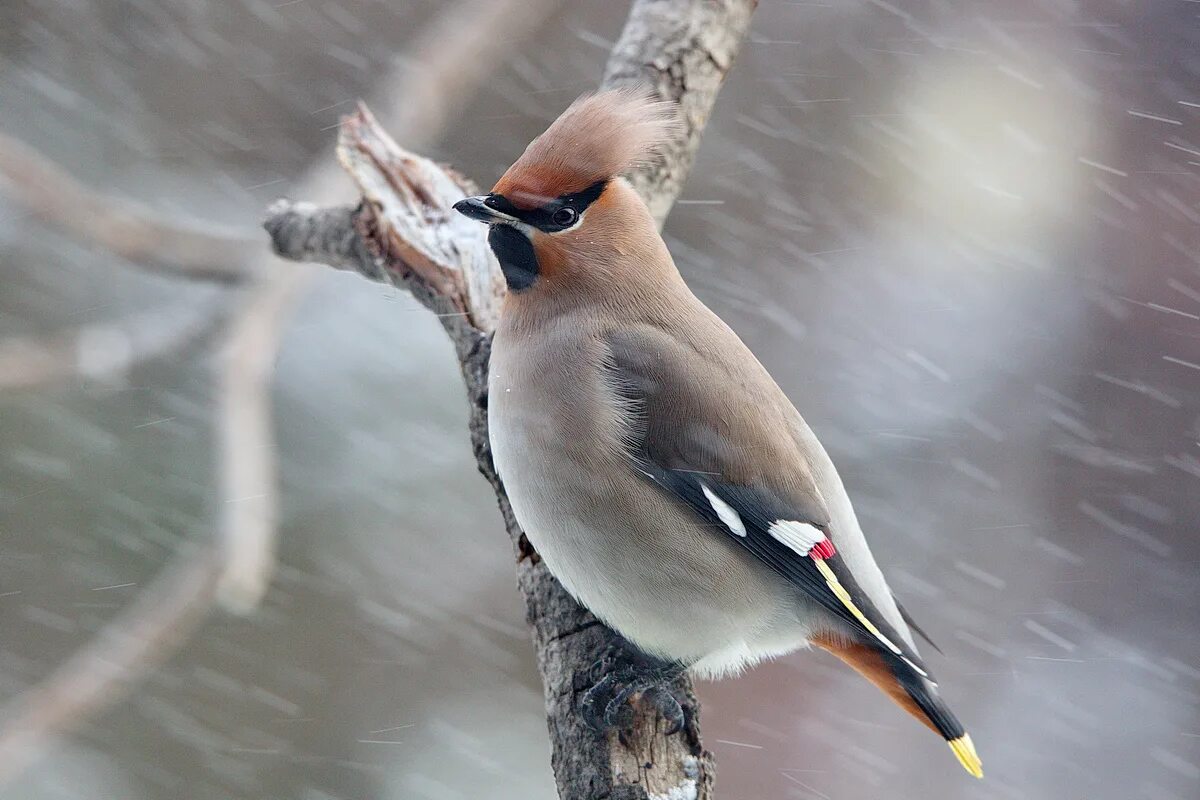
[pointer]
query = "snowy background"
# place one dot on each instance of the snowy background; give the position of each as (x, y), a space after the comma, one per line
(965, 238)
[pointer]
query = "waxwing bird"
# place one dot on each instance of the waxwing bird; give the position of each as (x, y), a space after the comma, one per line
(656, 466)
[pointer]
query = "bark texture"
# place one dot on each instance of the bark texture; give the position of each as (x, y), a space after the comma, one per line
(404, 232)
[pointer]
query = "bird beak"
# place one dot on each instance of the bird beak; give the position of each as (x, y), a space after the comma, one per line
(476, 209)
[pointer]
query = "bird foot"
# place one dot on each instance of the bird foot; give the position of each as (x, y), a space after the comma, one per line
(621, 680)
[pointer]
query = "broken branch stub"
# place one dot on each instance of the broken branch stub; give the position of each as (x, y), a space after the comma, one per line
(407, 211)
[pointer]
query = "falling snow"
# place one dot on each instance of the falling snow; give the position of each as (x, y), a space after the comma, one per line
(965, 238)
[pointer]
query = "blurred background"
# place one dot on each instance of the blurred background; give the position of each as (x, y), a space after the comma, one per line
(964, 237)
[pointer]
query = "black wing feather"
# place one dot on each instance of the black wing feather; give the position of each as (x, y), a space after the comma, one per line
(758, 511)
(912, 623)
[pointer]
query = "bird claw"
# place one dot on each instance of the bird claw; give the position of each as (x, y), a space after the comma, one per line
(618, 687)
(618, 712)
(591, 705)
(668, 706)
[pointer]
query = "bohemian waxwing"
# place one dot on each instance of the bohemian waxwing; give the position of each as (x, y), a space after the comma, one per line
(653, 462)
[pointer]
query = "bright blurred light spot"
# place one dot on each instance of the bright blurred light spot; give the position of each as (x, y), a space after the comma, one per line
(988, 155)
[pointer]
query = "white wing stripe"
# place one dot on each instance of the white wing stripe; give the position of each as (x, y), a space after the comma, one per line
(799, 536)
(725, 512)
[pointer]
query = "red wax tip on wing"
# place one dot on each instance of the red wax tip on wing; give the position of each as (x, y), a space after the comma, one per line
(823, 549)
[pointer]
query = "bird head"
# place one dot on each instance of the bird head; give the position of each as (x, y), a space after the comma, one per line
(562, 213)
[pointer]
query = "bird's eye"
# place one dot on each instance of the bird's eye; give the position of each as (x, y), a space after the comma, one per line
(565, 216)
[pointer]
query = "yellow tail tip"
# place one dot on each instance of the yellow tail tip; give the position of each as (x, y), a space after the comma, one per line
(964, 751)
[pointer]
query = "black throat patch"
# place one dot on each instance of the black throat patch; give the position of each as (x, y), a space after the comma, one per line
(513, 249)
(515, 253)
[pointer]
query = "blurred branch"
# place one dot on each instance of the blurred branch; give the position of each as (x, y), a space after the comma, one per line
(450, 60)
(124, 228)
(101, 350)
(404, 232)
(443, 68)
(233, 569)
(158, 621)
(455, 54)
(246, 452)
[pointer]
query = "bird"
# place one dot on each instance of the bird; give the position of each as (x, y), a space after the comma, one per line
(654, 464)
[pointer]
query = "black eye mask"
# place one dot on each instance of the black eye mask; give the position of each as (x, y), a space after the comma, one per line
(557, 215)
(512, 247)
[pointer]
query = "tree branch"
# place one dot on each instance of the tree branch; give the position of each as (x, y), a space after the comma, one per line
(122, 227)
(246, 455)
(101, 350)
(160, 620)
(683, 51)
(449, 60)
(404, 232)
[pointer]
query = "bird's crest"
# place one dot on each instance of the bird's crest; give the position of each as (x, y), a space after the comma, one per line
(597, 138)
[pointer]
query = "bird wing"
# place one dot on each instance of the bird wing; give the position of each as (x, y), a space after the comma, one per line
(708, 425)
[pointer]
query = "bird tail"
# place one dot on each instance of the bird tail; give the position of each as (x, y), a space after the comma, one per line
(909, 690)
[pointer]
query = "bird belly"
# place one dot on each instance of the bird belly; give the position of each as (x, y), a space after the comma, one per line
(651, 581)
